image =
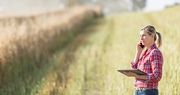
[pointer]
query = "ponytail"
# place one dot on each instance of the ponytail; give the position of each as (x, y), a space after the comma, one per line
(159, 39)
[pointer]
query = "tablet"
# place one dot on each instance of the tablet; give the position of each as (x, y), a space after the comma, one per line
(137, 71)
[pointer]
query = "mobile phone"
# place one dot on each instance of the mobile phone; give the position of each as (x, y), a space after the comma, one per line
(141, 45)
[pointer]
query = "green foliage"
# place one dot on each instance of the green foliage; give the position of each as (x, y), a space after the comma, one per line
(111, 46)
(24, 74)
(87, 64)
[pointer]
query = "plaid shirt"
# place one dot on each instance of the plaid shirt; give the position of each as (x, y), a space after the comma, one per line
(150, 62)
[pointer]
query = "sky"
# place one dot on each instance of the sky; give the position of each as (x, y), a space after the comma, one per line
(152, 5)
(156, 5)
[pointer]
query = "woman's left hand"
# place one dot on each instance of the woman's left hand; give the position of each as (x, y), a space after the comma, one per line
(130, 74)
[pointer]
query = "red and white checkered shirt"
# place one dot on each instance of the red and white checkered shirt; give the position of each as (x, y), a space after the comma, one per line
(150, 62)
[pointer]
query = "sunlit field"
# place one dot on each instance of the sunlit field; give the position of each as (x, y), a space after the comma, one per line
(87, 63)
(95, 56)
(28, 42)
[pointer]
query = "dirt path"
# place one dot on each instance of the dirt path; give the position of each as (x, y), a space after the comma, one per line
(55, 83)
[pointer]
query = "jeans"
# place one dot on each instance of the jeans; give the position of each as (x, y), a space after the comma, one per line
(146, 92)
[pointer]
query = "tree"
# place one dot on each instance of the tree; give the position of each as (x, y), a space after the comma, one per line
(138, 4)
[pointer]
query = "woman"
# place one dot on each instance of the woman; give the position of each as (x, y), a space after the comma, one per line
(150, 62)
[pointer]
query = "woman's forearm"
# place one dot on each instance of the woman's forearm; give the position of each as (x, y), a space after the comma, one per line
(140, 76)
(136, 58)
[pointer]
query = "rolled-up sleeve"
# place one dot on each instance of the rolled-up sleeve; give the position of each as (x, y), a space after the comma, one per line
(134, 65)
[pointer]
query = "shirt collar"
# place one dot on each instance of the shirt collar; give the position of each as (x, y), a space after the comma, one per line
(151, 48)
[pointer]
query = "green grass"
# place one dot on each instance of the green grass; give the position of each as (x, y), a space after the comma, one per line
(24, 74)
(109, 46)
(88, 63)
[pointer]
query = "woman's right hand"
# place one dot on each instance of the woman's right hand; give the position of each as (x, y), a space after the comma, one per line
(139, 48)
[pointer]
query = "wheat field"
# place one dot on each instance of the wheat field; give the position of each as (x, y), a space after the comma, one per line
(28, 42)
(87, 64)
(109, 45)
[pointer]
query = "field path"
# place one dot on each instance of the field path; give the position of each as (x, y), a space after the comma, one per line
(88, 63)
(57, 81)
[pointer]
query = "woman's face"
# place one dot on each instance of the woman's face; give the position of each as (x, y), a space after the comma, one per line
(145, 38)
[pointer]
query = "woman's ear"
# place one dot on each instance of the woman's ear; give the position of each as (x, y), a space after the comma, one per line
(152, 36)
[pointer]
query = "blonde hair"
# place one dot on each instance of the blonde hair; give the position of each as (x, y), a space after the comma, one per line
(151, 30)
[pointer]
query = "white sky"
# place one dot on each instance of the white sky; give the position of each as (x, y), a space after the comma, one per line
(155, 5)
(152, 5)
